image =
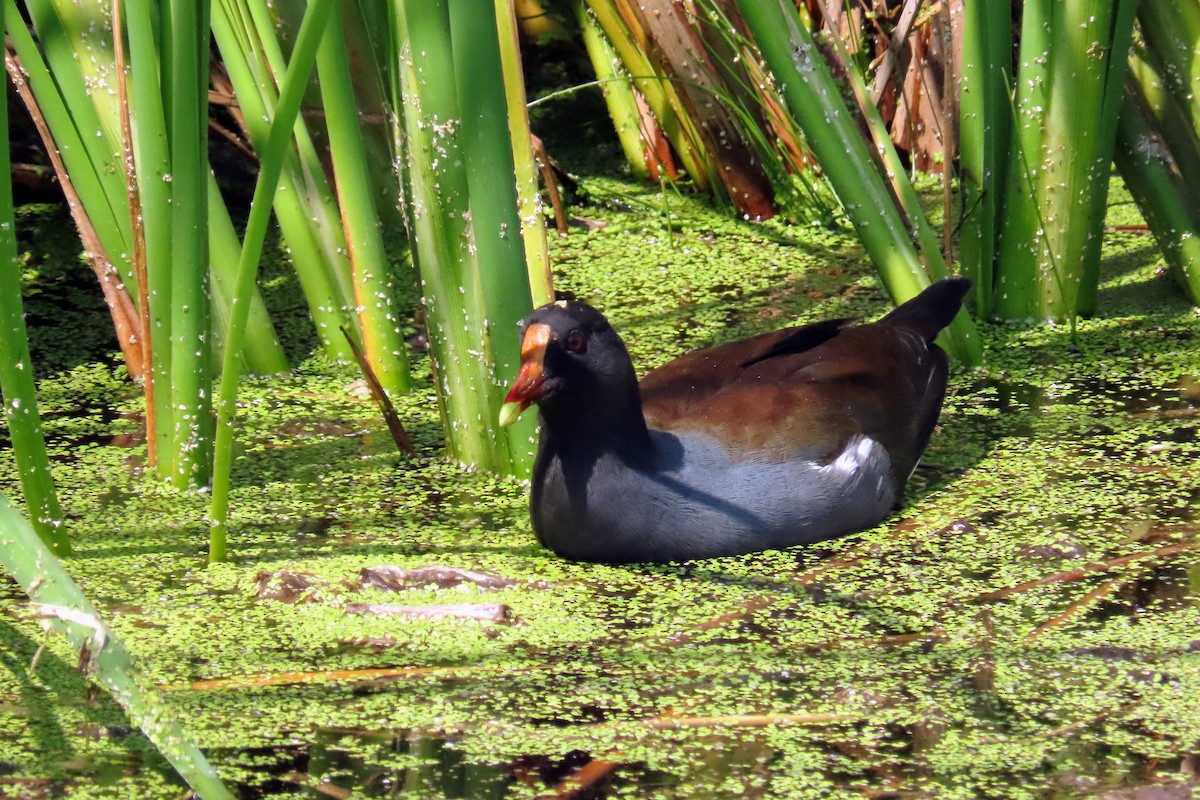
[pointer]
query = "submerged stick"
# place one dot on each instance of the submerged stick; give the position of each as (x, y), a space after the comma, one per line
(1077, 605)
(736, 615)
(849, 558)
(892, 640)
(1082, 572)
(581, 782)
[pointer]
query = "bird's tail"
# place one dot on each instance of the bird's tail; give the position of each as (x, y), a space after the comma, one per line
(932, 309)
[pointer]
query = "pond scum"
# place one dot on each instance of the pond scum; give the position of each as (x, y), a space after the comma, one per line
(1027, 626)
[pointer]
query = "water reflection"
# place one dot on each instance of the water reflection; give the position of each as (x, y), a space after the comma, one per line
(341, 762)
(898, 760)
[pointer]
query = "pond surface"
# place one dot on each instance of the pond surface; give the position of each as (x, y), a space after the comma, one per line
(1027, 626)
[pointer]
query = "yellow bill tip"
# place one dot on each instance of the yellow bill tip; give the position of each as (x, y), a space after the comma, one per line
(509, 413)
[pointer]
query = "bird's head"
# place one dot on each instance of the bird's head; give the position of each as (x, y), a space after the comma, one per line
(571, 360)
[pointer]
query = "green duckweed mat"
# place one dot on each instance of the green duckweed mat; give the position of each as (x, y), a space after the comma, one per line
(1027, 626)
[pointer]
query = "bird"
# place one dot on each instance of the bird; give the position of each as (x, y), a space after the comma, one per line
(786, 438)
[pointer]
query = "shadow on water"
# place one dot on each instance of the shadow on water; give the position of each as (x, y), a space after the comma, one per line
(410, 764)
(46, 730)
(406, 764)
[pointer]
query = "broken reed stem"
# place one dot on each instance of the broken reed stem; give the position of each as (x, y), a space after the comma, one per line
(395, 426)
(138, 229)
(551, 182)
(899, 35)
(116, 296)
(1082, 572)
(948, 130)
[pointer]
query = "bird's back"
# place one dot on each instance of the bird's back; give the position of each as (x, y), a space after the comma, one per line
(804, 392)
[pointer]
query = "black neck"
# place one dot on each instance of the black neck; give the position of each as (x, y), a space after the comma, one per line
(609, 423)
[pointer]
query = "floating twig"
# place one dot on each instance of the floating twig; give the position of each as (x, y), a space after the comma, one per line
(327, 676)
(398, 578)
(488, 612)
(668, 723)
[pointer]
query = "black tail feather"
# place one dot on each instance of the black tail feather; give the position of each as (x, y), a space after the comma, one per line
(932, 309)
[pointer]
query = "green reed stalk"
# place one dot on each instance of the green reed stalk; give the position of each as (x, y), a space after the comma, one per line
(985, 131)
(83, 125)
(382, 339)
(1072, 61)
(304, 55)
(815, 101)
(618, 91)
(16, 376)
(1016, 278)
(471, 306)
(529, 199)
(269, 22)
(1170, 118)
(1160, 192)
(496, 225)
(67, 108)
(1165, 72)
(59, 600)
(151, 154)
(961, 338)
(304, 206)
(659, 94)
(437, 206)
(1096, 175)
(185, 26)
(260, 353)
(78, 35)
(1171, 31)
(157, 188)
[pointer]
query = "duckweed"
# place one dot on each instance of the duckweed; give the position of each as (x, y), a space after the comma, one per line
(1009, 633)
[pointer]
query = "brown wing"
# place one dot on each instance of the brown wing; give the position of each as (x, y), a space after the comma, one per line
(807, 399)
(689, 382)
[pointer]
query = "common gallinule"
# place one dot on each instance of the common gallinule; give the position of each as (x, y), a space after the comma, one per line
(790, 437)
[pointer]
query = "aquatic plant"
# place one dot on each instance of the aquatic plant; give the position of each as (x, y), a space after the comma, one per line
(18, 393)
(1026, 621)
(58, 601)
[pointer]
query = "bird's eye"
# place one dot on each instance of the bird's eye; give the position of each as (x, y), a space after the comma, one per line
(576, 341)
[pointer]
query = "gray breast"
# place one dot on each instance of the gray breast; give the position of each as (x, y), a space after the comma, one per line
(698, 502)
